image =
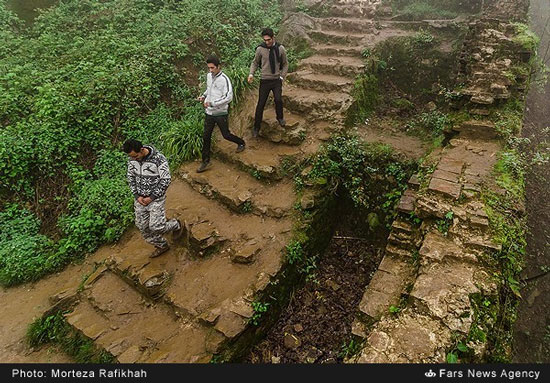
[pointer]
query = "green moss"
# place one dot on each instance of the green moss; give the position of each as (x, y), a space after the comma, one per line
(366, 96)
(525, 37)
(55, 329)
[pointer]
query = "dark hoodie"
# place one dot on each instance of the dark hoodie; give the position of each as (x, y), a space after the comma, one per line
(149, 177)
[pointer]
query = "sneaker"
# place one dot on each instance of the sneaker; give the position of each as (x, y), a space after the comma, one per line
(159, 251)
(203, 167)
(176, 234)
(281, 122)
(240, 148)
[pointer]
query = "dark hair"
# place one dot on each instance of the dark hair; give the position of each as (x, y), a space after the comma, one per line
(213, 60)
(132, 146)
(267, 32)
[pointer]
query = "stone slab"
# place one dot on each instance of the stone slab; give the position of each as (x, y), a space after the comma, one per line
(446, 188)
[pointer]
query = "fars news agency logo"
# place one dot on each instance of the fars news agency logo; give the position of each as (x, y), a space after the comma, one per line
(430, 374)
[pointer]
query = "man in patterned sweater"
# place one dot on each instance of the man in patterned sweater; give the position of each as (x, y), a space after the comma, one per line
(149, 177)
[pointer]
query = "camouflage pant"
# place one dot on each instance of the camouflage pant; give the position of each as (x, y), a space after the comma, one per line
(151, 222)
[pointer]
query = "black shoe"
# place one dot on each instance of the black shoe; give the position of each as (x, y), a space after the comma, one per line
(203, 167)
(240, 148)
(255, 133)
(281, 122)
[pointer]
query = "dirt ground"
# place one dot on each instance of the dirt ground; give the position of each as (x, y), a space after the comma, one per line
(532, 328)
(316, 325)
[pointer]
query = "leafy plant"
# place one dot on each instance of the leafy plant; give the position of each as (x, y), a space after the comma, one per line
(294, 252)
(259, 309)
(444, 224)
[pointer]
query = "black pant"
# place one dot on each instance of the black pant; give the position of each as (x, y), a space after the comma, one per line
(209, 123)
(267, 86)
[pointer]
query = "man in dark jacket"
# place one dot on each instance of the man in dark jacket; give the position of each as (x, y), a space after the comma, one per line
(149, 177)
(271, 58)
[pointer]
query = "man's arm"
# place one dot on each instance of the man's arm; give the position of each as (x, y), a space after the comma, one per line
(165, 179)
(284, 61)
(254, 65)
(131, 176)
(208, 83)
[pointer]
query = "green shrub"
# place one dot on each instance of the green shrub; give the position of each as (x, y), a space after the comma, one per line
(24, 252)
(81, 79)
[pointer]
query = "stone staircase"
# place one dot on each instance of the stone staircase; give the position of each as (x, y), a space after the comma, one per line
(196, 300)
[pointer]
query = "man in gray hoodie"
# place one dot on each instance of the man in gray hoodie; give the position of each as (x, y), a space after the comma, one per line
(149, 177)
(271, 58)
(216, 99)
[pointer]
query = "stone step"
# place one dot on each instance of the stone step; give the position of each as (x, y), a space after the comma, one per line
(400, 226)
(477, 128)
(347, 66)
(401, 241)
(385, 287)
(293, 133)
(314, 104)
(322, 82)
(336, 37)
(239, 191)
(133, 329)
(203, 288)
(395, 251)
(337, 50)
(261, 158)
(346, 24)
(443, 290)
(212, 231)
(361, 9)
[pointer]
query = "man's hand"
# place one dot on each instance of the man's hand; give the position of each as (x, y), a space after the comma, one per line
(146, 201)
(250, 79)
(140, 201)
(207, 104)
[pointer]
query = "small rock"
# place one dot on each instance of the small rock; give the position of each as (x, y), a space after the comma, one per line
(298, 327)
(333, 285)
(275, 359)
(292, 341)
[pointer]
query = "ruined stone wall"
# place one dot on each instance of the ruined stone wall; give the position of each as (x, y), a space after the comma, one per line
(440, 257)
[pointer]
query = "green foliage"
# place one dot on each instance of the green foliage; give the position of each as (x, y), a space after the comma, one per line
(423, 39)
(422, 9)
(434, 123)
(259, 309)
(366, 95)
(55, 329)
(444, 224)
(349, 349)
(359, 167)
(525, 37)
(83, 77)
(508, 227)
(25, 254)
(294, 252)
(508, 119)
